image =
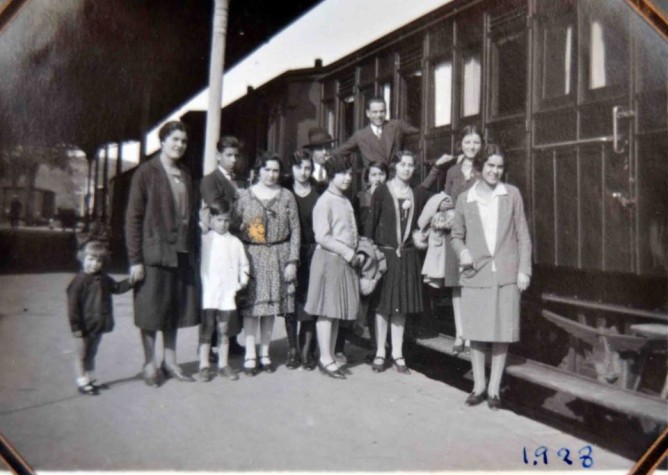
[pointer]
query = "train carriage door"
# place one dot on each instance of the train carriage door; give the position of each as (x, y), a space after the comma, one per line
(584, 156)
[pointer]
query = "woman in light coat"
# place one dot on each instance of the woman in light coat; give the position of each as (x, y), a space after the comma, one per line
(491, 238)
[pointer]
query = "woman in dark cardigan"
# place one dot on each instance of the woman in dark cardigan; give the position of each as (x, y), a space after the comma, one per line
(160, 232)
(392, 218)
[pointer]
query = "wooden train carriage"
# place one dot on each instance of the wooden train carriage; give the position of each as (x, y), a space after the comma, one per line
(576, 95)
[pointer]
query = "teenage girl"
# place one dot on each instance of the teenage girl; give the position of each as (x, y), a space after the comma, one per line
(333, 293)
(395, 208)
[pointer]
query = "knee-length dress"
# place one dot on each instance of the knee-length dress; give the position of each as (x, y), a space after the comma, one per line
(305, 205)
(333, 289)
(271, 235)
(496, 235)
(390, 224)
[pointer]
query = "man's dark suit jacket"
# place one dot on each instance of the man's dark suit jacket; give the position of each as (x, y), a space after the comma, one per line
(215, 186)
(374, 149)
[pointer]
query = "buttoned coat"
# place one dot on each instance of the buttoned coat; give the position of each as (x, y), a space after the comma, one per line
(513, 243)
(216, 186)
(374, 149)
(151, 228)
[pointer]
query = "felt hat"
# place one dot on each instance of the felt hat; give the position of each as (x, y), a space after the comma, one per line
(317, 136)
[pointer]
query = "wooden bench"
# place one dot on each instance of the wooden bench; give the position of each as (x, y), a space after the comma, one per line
(611, 397)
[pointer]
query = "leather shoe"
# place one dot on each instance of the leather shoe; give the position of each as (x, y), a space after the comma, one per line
(475, 399)
(176, 373)
(494, 403)
(151, 379)
(266, 365)
(251, 370)
(400, 365)
(378, 365)
(292, 361)
(332, 373)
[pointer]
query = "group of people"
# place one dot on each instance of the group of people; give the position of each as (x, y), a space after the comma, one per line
(297, 245)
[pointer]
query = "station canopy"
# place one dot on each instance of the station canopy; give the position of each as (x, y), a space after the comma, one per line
(89, 72)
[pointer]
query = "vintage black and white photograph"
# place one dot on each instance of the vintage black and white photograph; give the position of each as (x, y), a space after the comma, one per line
(333, 236)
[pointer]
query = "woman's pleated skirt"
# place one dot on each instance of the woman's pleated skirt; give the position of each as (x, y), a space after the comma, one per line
(400, 289)
(334, 289)
(491, 314)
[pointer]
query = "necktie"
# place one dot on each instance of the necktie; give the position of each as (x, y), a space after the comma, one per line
(378, 131)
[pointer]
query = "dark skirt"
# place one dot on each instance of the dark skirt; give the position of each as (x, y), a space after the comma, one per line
(303, 272)
(400, 289)
(168, 297)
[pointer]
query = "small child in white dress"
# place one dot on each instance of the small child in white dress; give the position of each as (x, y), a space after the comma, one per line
(224, 270)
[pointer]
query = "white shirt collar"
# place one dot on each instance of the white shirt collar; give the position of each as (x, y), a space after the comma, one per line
(225, 173)
(376, 129)
(499, 189)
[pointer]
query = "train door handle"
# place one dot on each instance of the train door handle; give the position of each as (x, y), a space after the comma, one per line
(619, 112)
(625, 201)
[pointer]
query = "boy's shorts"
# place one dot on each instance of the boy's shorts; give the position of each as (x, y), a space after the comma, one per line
(210, 318)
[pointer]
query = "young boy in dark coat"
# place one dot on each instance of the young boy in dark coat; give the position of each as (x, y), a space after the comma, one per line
(90, 310)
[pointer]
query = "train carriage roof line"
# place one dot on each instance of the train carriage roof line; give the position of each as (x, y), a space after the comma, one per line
(330, 31)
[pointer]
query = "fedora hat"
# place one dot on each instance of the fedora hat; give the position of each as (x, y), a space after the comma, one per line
(318, 136)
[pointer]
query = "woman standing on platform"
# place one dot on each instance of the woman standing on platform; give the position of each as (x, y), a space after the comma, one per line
(306, 194)
(491, 238)
(333, 293)
(271, 234)
(160, 233)
(459, 178)
(395, 208)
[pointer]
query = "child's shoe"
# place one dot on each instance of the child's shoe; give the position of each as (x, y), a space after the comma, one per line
(88, 390)
(229, 373)
(205, 374)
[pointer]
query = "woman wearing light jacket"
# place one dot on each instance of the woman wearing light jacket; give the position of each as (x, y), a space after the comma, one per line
(491, 238)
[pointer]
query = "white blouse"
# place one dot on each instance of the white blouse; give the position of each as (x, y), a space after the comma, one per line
(489, 214)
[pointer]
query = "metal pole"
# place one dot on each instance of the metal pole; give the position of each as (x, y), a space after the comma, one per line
(105, 182)
(216, 63)
(119, 160)
(96, 181)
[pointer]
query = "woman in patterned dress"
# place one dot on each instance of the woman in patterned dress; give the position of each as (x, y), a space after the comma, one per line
(270, 232)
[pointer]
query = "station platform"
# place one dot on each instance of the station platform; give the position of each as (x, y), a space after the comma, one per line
(287, 421)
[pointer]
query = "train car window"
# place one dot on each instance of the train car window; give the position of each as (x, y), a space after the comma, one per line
(329, 116)
(386, 93)
(413, 98)
(441, 100)
(607, 46)
(348, 116)
(471, 80)
(509, 75)
(557, 47)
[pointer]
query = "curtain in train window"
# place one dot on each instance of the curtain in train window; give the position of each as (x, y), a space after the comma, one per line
(608, 55)
(442, 82)
(413, 96)
(386, 93)
(471, 71)
(557, 61)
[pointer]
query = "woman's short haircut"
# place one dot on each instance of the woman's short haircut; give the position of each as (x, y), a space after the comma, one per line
(299, 156)
(337, 164)
(227, 141)
(169, 128)
(489, 150)
(266, 157)
(467, 130)
(377, 164)
(397, 158)
(93, 248)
